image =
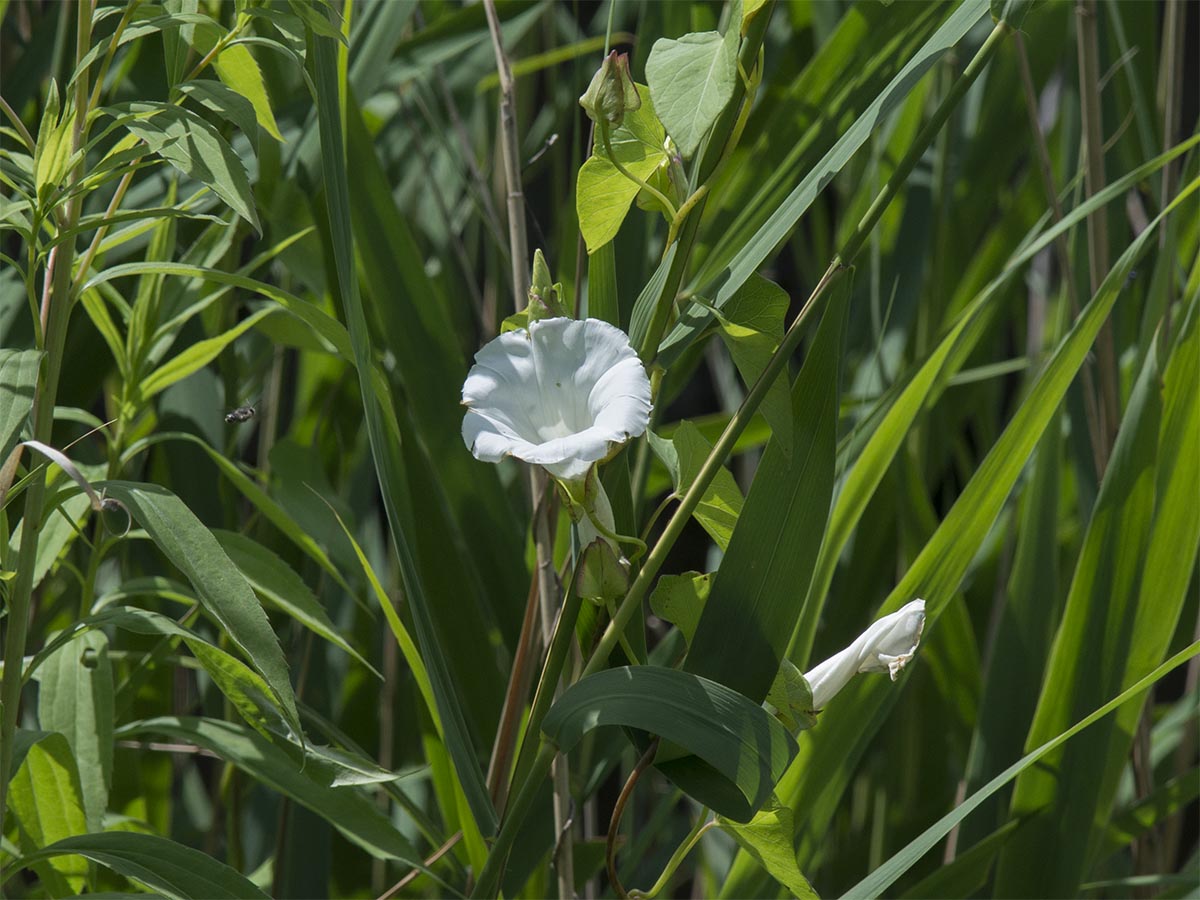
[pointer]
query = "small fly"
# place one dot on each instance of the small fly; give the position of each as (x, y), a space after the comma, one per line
(240, 415)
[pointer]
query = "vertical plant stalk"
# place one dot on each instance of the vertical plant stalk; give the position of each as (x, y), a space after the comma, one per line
(547, 583)
(514, 701)
(1090, 408)
(489, 876)
(1170, 77)
(56, 311)
(1088, 51)
(614, 824)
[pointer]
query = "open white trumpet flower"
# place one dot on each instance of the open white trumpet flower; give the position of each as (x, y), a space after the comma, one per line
(886, 646)
(560, 395)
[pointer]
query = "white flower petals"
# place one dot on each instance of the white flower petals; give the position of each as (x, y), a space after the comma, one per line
(886, 646)
(558, 395)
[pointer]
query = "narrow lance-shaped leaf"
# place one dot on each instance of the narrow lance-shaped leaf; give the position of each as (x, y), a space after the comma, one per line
(346, 808)
(168, 867)
(237, 68)
(18, 381)
(222, 589)
(47, 801)
(278, 583)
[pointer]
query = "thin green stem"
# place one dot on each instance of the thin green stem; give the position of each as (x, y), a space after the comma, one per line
(114, 42)
(556, 657)
(89, 255)
(687, 207)
(698, 831)
(637, 542)
(1091, 411)
(658, 511)
(606, 140)
(56, 311)
(1088, 51)
(614, 825)
(923, 139)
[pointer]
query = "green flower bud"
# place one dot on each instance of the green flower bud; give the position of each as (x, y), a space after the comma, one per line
(545, 297)
(612, 92)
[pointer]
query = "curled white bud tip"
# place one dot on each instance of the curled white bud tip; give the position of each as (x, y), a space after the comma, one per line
(886, 646)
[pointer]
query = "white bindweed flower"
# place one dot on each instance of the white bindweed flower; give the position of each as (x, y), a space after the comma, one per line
(562, 395)
(886, 646)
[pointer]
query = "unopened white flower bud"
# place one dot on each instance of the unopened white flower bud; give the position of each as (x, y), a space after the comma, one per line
(886, 646)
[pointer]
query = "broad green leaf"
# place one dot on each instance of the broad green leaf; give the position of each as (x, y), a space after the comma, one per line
(76, 700)
(18, 381)
(752, 328)
(279, 584)
(601, 576)
(736, 739)
(792, 698)
(238, 69)
(196, 356)
(220, 586)
(348, 809)
(769, 236)
(877, 883)
(383, 433)
(756, 596)
(683, 455)
(768, 838)
(691, 80)
(161, 865)
(47, 800)
(602, 194)
(680, 599)
(196, 149)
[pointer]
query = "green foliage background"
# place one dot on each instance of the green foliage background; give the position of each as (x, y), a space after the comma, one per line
(930, 327)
